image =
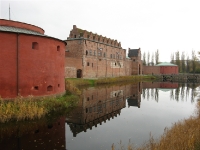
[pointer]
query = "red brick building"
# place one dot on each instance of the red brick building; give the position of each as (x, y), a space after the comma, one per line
(31, 63)
(89, 55)
(161, 68)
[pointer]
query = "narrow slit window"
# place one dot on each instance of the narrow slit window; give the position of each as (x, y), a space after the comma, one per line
(58, 48)
(35, 45)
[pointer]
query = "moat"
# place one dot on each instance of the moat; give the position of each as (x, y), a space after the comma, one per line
(107, 115)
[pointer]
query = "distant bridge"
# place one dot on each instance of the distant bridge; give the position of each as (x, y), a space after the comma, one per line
(179, 77)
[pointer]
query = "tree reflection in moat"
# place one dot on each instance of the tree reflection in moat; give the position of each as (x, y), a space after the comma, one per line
(178, 91)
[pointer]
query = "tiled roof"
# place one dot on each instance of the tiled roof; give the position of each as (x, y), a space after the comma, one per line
(165, 64)
(19, 30)
(133, 53)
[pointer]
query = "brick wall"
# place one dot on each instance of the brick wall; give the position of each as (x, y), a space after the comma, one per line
(151, 70)
(25, 70)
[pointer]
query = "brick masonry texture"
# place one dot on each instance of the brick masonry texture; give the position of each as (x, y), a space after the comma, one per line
(30, 64)
(95, 56)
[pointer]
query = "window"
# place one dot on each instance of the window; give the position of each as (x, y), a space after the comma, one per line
(86, 53)
(104, 55)
(94, 53)
(36, 88)
(93, 37)
(49, 88)
(92, 64)
(88, 36)
(110, 55)
(58, 48)
(58, 85)
(90, 52)
(99, 53)
(74, 36)
(88, 63)
(35, 45)
(113, 55)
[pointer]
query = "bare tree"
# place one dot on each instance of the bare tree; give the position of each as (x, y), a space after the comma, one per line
(183, 62)
(178, 60)
(194, 59)
(187, 65)
(172, 58)
(148, 58)
(152, 59)
(157, 56)
(144, 59)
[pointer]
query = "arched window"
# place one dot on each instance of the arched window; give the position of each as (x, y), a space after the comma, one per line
(86, 53)
(49, 88)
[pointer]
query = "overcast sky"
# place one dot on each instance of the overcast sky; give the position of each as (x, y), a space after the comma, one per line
(166, 25)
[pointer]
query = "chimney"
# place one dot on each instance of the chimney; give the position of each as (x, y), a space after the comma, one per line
(74, 26)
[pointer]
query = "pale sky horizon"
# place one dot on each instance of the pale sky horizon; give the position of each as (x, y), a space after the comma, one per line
(166, 25)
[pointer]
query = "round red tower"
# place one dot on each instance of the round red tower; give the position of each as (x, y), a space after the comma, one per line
(31, 63)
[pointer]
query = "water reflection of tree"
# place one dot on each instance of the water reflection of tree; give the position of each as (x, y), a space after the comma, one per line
(182, 93)
(148, 94)
(172, 94)
(156, 95)
(143, 93)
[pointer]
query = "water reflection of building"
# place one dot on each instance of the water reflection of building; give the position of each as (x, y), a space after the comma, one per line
(36, 135)
(98, 105)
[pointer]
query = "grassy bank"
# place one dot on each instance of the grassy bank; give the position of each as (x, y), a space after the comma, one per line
(73, 84)
(28, 108)
(183, 135)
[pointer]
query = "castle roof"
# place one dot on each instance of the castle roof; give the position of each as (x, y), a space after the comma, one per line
(165, 64)
(133, 52)
(18, 30)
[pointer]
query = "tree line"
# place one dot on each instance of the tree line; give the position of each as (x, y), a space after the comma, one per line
(147, 61)
(185, 63)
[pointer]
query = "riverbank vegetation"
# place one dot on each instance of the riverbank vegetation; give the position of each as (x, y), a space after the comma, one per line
(73, 84)
(30, 108)
(183, 135)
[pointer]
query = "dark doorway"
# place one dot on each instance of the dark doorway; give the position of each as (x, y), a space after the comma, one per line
(139, 69)
(79, 73)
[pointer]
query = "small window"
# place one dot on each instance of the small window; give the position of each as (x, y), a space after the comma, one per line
(93, 37)
(92, 64)
(49, 88)
(115, 64)
(110, 55)
(88, 36)
(35, 45)
(104, 55)
(88, 98)
(58, 85)
(86, 110)
(90, 52)
(36, 88)
(113, 55)
(88, 64)
(58, 48)
(94, 53)
(86, 52)
(74, 36)
(133, 59)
